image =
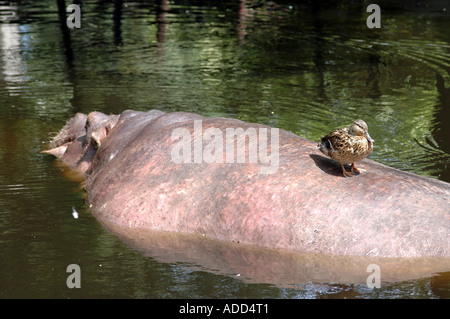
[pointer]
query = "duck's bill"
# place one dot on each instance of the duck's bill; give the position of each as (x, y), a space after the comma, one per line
(369, 138)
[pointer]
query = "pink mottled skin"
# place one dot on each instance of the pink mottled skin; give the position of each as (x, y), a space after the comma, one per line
(306, 205)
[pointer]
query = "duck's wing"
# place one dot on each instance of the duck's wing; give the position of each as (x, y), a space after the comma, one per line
(339, 141)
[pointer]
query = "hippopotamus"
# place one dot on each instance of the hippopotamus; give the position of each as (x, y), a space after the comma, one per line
(248, 183)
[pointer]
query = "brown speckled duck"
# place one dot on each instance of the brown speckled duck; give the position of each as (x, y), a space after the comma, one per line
(348, 145)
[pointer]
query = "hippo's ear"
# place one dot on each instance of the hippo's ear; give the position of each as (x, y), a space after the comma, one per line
(56, 151)
(100, 133)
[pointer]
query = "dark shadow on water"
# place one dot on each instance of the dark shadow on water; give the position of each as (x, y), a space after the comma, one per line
(65, 32)
(117, 22)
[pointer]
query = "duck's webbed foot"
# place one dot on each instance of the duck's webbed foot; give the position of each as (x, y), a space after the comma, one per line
(346, 174)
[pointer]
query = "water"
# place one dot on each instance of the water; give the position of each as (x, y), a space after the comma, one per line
(306, 68)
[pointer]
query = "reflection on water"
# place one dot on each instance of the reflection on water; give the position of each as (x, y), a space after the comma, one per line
(307, 68)
(12, 60)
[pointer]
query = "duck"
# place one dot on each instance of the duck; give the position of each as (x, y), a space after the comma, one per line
(348, 145)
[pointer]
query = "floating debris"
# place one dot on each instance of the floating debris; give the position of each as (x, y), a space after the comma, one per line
(74, 213)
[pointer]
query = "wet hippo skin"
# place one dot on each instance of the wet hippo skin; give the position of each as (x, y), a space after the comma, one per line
(303, 204)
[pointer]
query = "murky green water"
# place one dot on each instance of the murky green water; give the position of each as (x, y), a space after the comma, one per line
(305, 68)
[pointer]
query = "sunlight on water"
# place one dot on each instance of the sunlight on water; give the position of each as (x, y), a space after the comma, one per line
(295, 66)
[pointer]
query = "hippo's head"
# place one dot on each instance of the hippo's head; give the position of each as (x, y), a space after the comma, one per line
(77, 142)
